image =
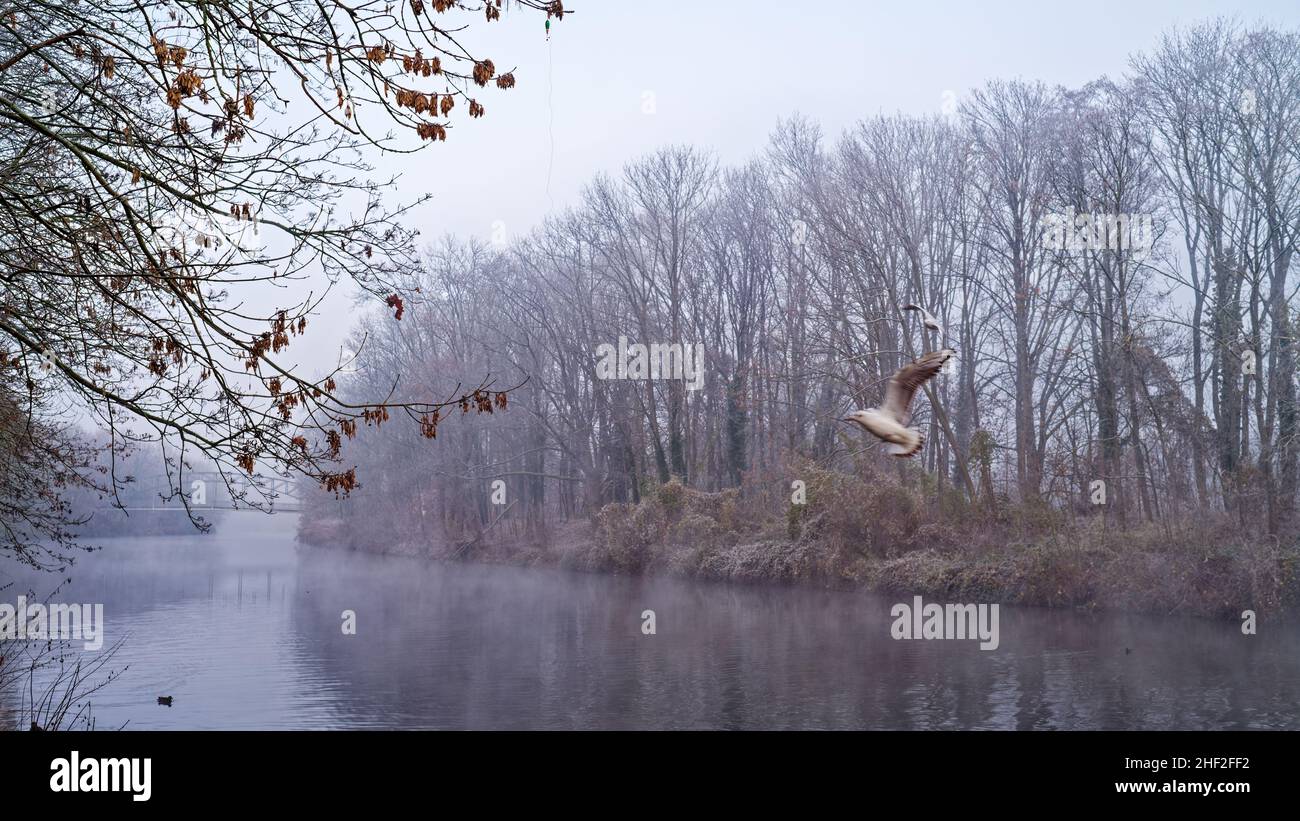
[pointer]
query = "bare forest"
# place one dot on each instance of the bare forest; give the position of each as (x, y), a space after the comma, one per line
(1113, 265)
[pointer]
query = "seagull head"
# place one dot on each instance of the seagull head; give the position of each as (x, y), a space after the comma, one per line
(862, 417)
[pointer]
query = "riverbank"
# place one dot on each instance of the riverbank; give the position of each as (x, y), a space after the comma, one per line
(885, 539)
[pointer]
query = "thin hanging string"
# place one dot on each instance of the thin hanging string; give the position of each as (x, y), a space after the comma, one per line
(550, 89)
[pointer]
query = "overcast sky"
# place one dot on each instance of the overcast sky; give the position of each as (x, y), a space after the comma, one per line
(720, 73)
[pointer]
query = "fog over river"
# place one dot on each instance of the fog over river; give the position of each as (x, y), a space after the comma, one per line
(244, 631)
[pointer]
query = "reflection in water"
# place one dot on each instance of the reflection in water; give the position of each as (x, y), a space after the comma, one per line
(245, 632)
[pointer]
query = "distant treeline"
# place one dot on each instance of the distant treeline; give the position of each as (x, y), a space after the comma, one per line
(1136, 381)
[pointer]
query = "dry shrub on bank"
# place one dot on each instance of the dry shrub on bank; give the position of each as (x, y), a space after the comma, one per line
(673, 526)
(852, 516)
(880, 533)
(844, 521)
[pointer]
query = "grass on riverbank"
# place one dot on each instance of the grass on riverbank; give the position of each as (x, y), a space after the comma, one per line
(883, 535)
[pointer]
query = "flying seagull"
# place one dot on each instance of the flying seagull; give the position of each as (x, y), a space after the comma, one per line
(888, 422)
(927, 318)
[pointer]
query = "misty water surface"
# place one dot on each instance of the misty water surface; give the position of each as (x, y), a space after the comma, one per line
(244, 632)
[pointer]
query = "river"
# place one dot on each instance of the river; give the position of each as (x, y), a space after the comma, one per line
(244, 631)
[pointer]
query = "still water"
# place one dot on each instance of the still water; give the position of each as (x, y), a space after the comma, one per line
(244, 632)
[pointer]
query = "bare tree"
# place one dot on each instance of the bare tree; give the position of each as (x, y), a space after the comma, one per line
(165, 162)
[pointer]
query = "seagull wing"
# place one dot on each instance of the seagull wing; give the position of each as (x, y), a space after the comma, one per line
(904, 383)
